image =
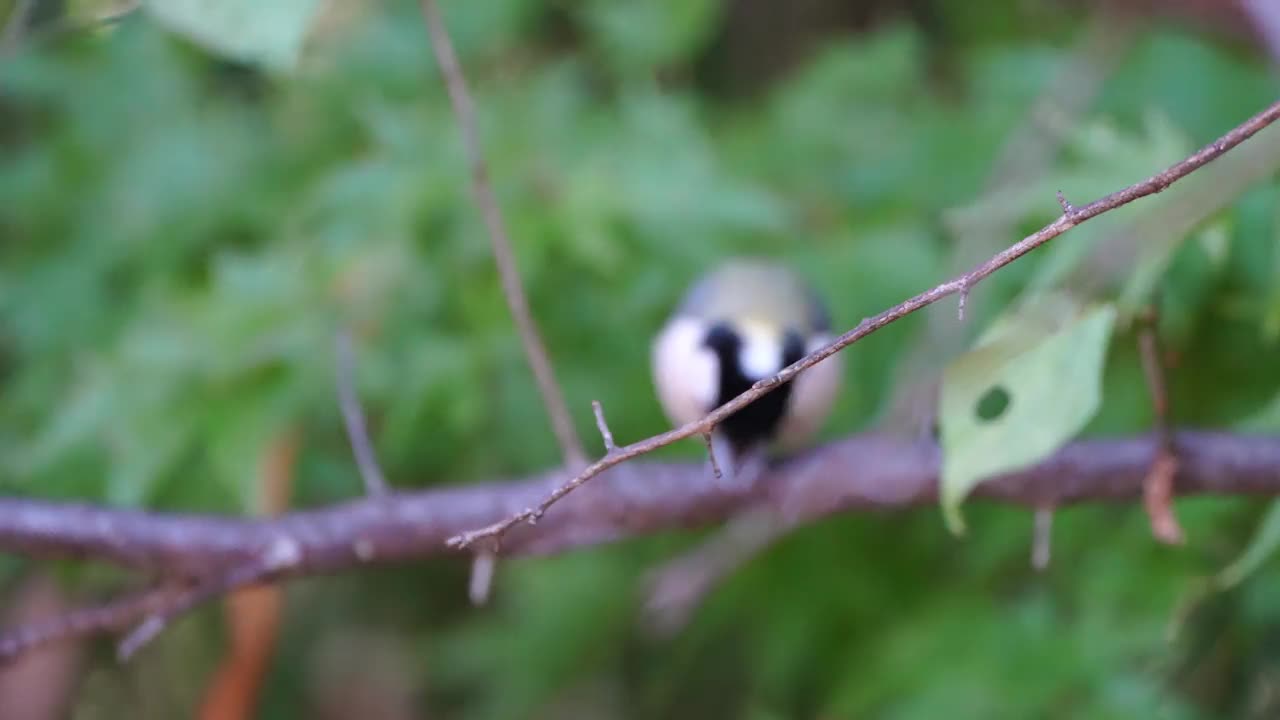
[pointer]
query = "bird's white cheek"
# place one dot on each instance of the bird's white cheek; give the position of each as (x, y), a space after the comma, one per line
(685, 372)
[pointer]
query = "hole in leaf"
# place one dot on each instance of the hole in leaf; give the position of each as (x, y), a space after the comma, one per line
(992, 404)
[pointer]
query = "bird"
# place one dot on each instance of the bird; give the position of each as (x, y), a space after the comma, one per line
(741, 322)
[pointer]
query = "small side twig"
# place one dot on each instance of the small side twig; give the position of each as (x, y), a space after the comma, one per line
(352, 415)
(481, 582)
(110, 617)
(603, 426)
(283, 554)
(1067, 208)
(1042, 538)
(512, 288)
(711, 454)
(1157, 489)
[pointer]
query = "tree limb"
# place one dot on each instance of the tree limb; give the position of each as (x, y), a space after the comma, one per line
(869, 471)
(863, 472)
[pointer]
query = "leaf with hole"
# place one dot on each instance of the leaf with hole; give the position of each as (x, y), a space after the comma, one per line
(1026, 389)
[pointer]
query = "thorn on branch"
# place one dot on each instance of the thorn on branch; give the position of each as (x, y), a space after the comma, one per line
(711, 453)
(1067, 208)
(1042, 538)
(603, 426)
(481, 583)
(353, 417)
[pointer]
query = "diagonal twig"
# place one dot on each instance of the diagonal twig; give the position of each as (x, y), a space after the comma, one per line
(963, 283)
(512, 288)
(344, 369)
(282, 554)
(81, 622)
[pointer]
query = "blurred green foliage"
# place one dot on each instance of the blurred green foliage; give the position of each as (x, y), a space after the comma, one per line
(182, 236)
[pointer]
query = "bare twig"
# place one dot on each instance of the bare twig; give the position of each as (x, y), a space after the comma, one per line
(1067, 208)
(1024, 158)
(1042, 538)
(711, 455)
(512, 288)
(282, 554)
(603, 426)
(1157, 492)
(869, 471)
(374, 482)
(107, 618)
(1150, 186)
(481, 582)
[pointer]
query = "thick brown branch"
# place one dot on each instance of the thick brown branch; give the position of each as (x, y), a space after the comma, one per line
(961, 284)
(863, 472)
(512, 288)
(869, 471)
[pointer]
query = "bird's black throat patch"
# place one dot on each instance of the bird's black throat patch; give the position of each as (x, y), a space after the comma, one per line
(758, 421)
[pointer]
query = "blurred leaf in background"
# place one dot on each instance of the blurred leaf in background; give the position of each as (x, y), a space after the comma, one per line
(189, 216)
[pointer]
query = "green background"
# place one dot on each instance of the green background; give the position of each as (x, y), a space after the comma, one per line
(181, 236)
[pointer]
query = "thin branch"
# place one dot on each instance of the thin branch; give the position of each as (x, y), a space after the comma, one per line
(375, 483)
(1042, 538)
(481, 581)
(711, 455)
(863, 472)
(283, 553)
(512, 288)
(979, 229)
(603, 426)
(1158, 487)
(1150, 186)
(1067, 208)
(107, 618)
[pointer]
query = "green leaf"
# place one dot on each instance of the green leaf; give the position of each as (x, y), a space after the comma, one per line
(1017, 397)
(1264, 543)
(266, 33)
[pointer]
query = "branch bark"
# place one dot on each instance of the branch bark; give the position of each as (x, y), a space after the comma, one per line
(870, 471)
(863, 472)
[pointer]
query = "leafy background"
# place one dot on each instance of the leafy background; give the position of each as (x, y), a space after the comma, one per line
(185, 228)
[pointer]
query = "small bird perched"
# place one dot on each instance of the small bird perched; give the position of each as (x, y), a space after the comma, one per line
(739, 324)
